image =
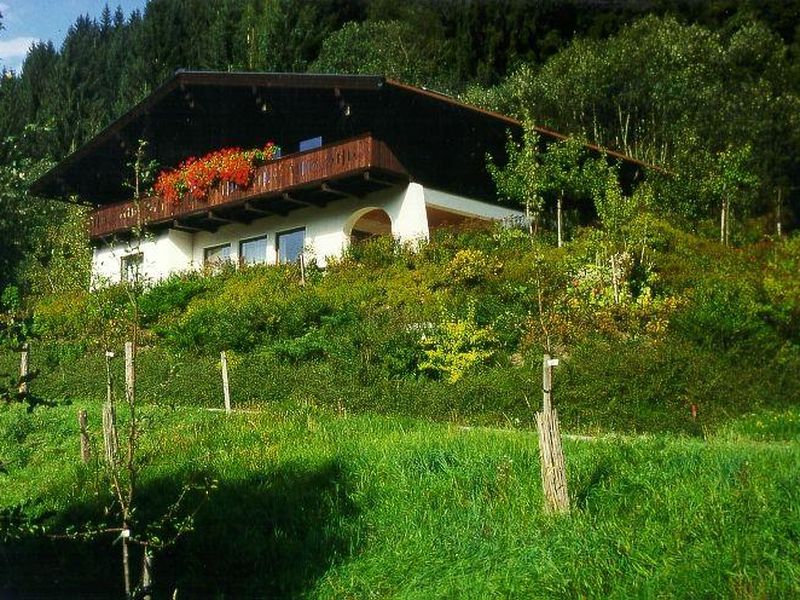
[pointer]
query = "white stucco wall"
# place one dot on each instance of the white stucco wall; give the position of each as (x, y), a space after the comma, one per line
(327, 231)
(163, 253)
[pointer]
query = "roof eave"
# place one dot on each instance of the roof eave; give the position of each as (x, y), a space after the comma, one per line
(182, 78)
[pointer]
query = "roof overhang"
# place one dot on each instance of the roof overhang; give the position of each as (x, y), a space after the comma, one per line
(198, 111)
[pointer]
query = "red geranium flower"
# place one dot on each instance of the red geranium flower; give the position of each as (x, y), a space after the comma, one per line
(196, 176)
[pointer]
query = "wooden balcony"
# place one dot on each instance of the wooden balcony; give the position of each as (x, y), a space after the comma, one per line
(353, 167)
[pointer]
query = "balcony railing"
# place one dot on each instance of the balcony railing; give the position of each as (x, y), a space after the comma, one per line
(303, 171)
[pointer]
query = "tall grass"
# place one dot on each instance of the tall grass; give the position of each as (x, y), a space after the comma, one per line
(319, 505)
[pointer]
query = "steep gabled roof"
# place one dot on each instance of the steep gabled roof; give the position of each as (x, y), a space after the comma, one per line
(440, 140)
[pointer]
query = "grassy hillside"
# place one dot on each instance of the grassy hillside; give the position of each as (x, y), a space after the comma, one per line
(310, 503)
(455, 331)
(386, 446)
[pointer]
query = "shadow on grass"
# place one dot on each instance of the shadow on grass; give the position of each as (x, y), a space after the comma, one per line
(269, 536)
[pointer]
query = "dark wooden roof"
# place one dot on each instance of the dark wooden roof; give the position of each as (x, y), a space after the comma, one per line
(441, 142)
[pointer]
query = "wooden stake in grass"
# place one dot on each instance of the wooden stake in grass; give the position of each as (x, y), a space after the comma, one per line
(110, 439)
(147, 573)
(23, 371)
(127, 496)
(302, 269)
(85, 448)
(226, 391)
(554, 475)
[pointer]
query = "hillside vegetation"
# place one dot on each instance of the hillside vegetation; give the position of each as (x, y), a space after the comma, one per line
(455, 330)
(384, 444)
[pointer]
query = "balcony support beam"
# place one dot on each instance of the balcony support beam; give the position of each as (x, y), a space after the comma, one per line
(176, 224)
(212, 216)
(248, 206)
(289, 198)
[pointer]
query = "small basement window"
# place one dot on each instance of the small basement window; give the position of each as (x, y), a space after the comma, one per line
(216, 255)
(289, 244)
(253, 251)
(131, 265)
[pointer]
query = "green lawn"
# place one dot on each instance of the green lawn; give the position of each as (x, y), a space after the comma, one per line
(312, 503)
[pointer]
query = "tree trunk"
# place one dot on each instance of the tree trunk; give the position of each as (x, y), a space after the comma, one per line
(23, 371)
(126, 564)
(728, 214)
(615, 278)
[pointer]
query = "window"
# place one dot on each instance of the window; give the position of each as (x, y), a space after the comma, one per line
(310, 144)
(253, 251)
(132, 266)
(216, 255)
(290, 245)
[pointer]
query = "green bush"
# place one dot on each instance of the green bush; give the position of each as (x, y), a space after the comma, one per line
(251, 308)
(172, 295)
(724, 314)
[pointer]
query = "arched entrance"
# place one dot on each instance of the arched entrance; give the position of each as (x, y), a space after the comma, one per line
(368, 223)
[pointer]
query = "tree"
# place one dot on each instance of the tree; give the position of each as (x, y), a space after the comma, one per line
(391, 48)
(674, 95)
(521, 179)
(731, 185)
(290, 33)
(563, 175)
(22, 217)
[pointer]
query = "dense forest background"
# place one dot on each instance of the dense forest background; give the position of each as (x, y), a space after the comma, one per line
(706, 90)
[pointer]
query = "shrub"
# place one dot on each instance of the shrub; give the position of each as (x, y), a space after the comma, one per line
(472, 266)
(251, 308)
(724, 314)
(455, 346)
(172, 295)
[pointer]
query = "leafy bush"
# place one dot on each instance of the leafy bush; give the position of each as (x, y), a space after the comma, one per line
(724, 314)
(250, 308)
(455, 346)
(172, 295)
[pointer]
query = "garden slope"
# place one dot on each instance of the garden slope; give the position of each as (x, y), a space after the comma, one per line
(456, 330)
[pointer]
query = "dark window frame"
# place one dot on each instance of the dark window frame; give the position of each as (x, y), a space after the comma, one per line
(217, 247)
(124, 267)
(278, 235)
(256, 238)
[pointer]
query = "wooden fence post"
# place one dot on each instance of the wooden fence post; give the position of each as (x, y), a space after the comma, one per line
(226, 391)
(554, 475)
(110, 440)
(110, 433)
(130, 377)
(23, 370)
(547, 383)
(85, 448)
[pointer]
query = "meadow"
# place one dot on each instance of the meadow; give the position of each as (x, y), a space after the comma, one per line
(310, 503)
(383, 441)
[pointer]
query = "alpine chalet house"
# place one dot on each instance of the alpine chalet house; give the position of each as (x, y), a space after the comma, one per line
(266, 167)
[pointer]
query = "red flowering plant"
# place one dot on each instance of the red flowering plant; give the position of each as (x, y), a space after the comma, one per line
(196, 176)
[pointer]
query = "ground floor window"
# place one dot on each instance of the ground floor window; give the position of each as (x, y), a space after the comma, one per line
(216, 255)
(132, 266)
(290, 244)
(253, 251)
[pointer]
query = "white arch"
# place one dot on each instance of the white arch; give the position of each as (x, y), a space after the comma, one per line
(354, 218)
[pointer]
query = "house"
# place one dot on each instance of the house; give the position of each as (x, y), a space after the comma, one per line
(360, 156)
